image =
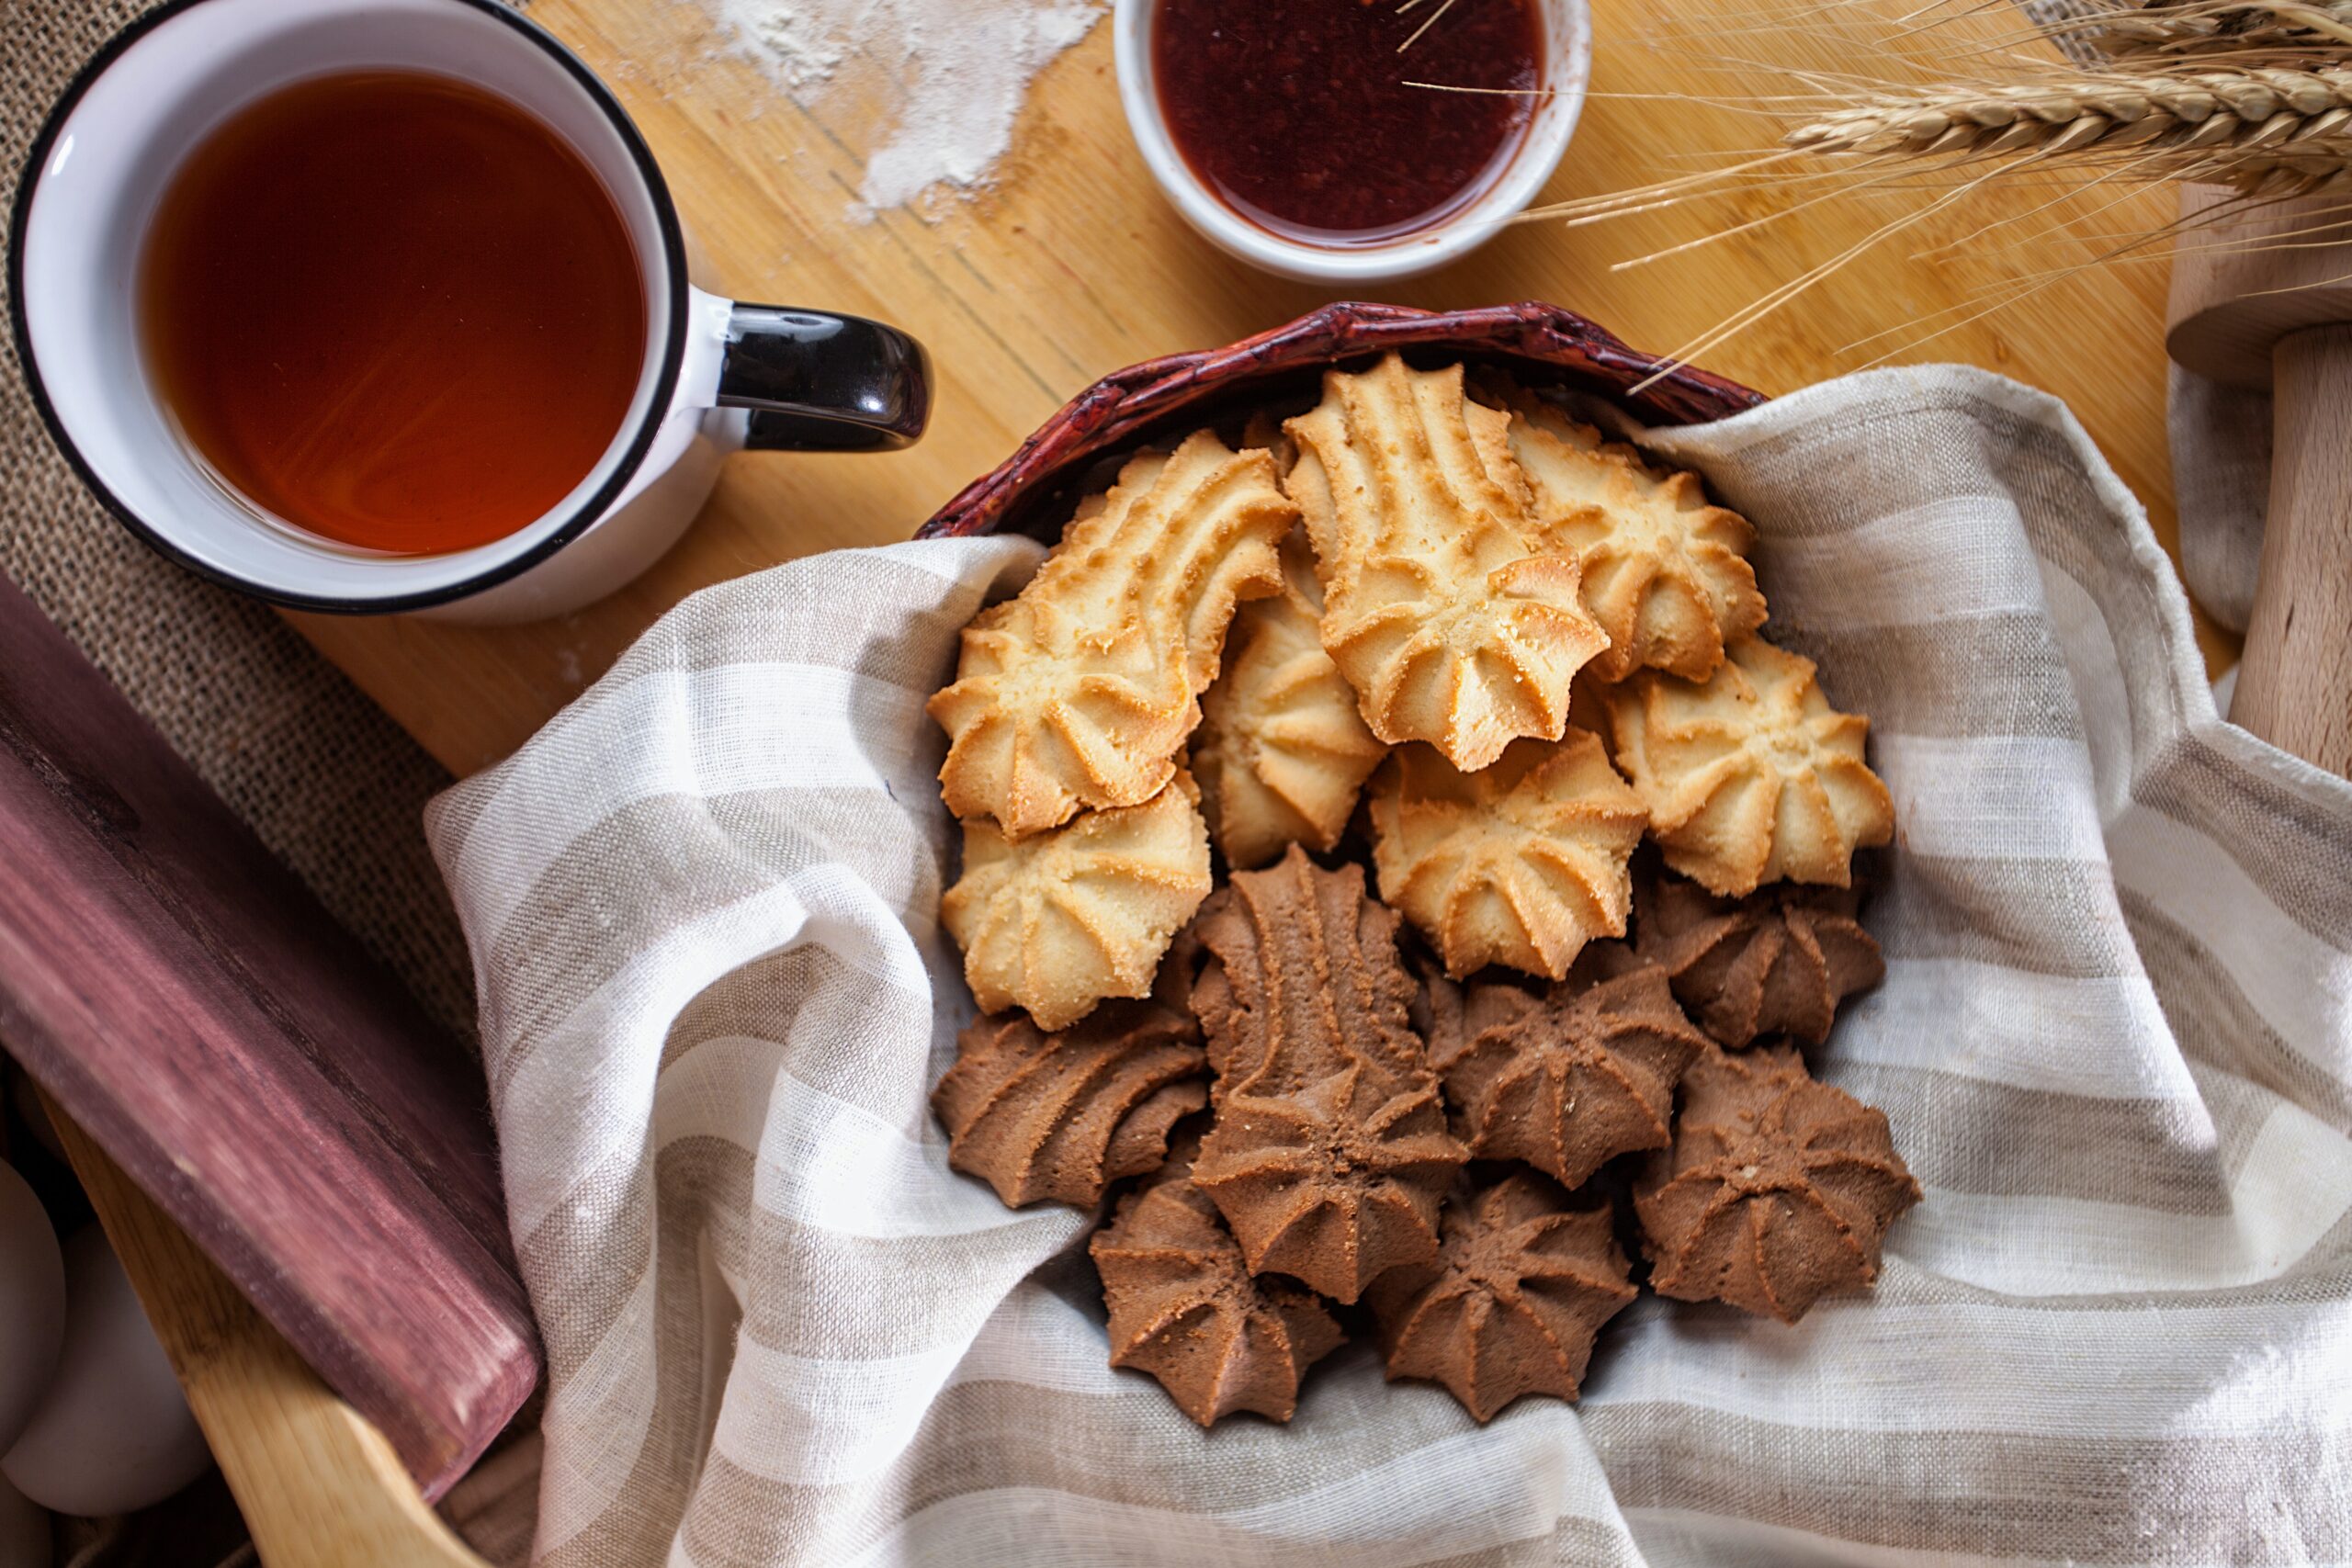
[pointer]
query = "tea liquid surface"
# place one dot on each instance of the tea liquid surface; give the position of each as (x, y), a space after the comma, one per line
(394, 311)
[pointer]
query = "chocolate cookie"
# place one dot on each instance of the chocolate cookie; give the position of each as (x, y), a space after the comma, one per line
(1778, 1189)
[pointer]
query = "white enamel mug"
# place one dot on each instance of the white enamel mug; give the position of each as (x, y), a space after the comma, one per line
(718, 375)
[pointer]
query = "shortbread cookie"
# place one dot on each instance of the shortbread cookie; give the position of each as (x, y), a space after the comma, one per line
(1750, 776)
(1061, 1116)
(1520, 864)
(1664, 572)
(1184, 1307)
(1449, 621)
(1058, 921)
(1077, 693)
(1778, 1189)
(1520, 1291)
(1282, 751)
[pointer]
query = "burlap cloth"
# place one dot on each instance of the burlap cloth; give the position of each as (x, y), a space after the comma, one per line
(2115, 1043)
(333, 786)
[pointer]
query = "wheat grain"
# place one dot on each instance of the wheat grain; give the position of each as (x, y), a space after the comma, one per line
(2253, 129)
(2185, 29)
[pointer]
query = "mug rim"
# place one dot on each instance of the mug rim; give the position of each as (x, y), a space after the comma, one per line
(583, 516)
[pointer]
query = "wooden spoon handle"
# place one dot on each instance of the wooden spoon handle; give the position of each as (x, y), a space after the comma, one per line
(2295, 687)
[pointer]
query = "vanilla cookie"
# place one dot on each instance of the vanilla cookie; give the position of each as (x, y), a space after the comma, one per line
(1451, 623)
(1750, 776)
(1521, 863)
(1077, 693)
(1665, 573)
(1281, 751)
(1059, 921)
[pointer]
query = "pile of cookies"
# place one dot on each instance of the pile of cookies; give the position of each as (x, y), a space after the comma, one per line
(1437, 626)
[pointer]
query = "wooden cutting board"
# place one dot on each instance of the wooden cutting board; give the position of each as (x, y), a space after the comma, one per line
(1073, 264)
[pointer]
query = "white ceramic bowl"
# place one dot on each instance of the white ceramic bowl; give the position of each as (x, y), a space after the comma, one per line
(1568, 26)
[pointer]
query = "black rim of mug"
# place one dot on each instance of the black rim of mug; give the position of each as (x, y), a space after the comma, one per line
(673, 248)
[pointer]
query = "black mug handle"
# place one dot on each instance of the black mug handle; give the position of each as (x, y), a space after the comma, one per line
(818, 382)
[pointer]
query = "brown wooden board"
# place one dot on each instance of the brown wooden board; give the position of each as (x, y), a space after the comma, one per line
(195, 1010)
(1075, 265)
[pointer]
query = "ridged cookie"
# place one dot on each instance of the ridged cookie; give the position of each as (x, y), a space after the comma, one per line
(1750, 776)
(1184, 1307)
(1077, 693)
(1519, 1293)
(1521, 864)
(1060, 920)
(1443, 612)
(1664, 572)
(1281, 751)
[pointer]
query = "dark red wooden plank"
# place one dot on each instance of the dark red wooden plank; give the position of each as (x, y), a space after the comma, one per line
(189, 1002)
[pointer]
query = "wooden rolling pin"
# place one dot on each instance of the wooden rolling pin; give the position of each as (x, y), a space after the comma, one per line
(2257, 303)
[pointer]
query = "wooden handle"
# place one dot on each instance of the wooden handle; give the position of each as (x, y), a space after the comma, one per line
(319, 1486)
(2295, 687)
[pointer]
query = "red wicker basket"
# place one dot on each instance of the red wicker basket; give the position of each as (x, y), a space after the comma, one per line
(1541, 344)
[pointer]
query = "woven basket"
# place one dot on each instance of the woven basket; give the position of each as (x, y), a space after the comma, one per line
(1540, 344)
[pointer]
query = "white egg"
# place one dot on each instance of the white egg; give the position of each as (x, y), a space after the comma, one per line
(113, 1433)
(24, 1530)
(32, 1303)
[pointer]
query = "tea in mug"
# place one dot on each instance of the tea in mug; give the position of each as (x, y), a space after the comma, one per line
(393, 309)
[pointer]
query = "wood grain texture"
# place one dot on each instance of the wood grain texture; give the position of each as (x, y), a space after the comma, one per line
(2242, 280)
(1075, 265)
(318, 1486)
(2264, 299)
(192, 1005)
(2295, 687)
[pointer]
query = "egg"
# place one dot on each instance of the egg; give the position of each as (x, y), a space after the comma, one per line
(113, 1432)
(32, 1302)
(24, 1530)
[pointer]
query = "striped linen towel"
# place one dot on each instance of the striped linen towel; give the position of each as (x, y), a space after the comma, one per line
(2115, 1043)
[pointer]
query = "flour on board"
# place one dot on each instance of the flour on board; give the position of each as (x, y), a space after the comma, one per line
(954, 74)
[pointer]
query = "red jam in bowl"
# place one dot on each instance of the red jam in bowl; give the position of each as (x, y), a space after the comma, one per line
(1303, 117)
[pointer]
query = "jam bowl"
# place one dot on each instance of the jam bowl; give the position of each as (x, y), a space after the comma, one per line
(1162, 90)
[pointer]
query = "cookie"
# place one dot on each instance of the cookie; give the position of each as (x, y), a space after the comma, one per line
(1301, 978)
(1777, 1191)
(1061, 1116)
(1328, 1155)
(1778, 962)
(1453, 626)
(1665, 573)
(1056, 922)
(1184, 1307)
(1077, 693)
(1750, 776)
(1575, 1081)
(1520, 864)
(1281, 751)
(1519, 1293)
(1333, 1183)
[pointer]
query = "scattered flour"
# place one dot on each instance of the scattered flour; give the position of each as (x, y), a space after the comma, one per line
(953, 73)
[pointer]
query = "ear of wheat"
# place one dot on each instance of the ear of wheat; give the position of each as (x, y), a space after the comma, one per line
(2177, 29)
(2265, 132)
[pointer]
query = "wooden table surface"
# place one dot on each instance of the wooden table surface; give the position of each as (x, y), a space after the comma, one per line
(1073, 264)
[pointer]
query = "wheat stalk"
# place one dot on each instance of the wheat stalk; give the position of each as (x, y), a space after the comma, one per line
(2263, 131)
(2251, 94)
(2183, 29)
